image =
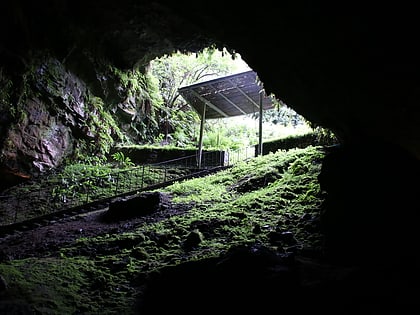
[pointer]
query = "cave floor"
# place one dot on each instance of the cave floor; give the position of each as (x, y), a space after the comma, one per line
(48, 240)
(256, 248)
(248, 279)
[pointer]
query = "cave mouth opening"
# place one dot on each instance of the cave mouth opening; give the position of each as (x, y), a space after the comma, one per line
(178, 70)
(372, 207)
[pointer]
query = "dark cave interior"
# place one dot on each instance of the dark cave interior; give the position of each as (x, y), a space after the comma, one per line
(353, 69)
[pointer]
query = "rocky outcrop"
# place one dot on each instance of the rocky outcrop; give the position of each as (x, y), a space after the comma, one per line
(51, 110)
(39, 140)
(131, 207)
(54, 114)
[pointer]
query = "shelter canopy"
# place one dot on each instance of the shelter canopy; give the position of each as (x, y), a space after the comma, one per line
(233, 95)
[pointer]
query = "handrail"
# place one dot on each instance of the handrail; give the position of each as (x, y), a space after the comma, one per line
(70, 193)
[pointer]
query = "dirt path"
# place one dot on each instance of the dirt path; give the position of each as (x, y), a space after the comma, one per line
(47, 240)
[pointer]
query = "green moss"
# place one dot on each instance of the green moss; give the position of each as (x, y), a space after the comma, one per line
(139, 94)
(65, 286)
(50, 285)
(102, 126)
(103, 274)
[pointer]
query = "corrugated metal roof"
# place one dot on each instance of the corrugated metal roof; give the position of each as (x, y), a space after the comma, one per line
(233, 95)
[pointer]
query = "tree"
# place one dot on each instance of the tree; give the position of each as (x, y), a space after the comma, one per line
(283, 115)
(176, 118)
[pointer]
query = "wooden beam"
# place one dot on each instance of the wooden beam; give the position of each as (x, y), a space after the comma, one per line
(209, 104)
(244, 94)
(228, 100)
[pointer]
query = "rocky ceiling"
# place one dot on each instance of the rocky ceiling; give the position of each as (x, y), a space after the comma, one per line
(354, 69)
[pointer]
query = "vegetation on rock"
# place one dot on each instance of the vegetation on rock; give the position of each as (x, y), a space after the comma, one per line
(272, 200)
(57, 117)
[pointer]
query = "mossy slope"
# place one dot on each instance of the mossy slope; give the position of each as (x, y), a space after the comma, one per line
(272, 200)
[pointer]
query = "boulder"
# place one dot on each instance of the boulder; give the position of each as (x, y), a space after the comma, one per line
(136, 206)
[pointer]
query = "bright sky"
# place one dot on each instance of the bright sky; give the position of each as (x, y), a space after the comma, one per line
(241, 65)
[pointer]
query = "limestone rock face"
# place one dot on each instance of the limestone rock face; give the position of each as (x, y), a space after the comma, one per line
(50, 115)
(38, 142)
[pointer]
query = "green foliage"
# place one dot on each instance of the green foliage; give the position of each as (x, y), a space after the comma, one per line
(78, 171)
(283, 115)
(76, 179)
(325, 135)
(223, 134)
(141, 96)
(102, 126)
(160, 116)
(102, 131)
(178, 122)
(122, 160)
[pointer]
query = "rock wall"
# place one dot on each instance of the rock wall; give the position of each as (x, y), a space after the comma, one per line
(52, 105)
(51, 115)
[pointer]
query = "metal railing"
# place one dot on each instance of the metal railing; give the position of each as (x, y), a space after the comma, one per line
(68, 192)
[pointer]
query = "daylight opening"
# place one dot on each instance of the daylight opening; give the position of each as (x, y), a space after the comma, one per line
(191, 83)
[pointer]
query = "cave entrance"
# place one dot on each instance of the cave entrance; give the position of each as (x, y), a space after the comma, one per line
(209, 74)
(233, 95)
